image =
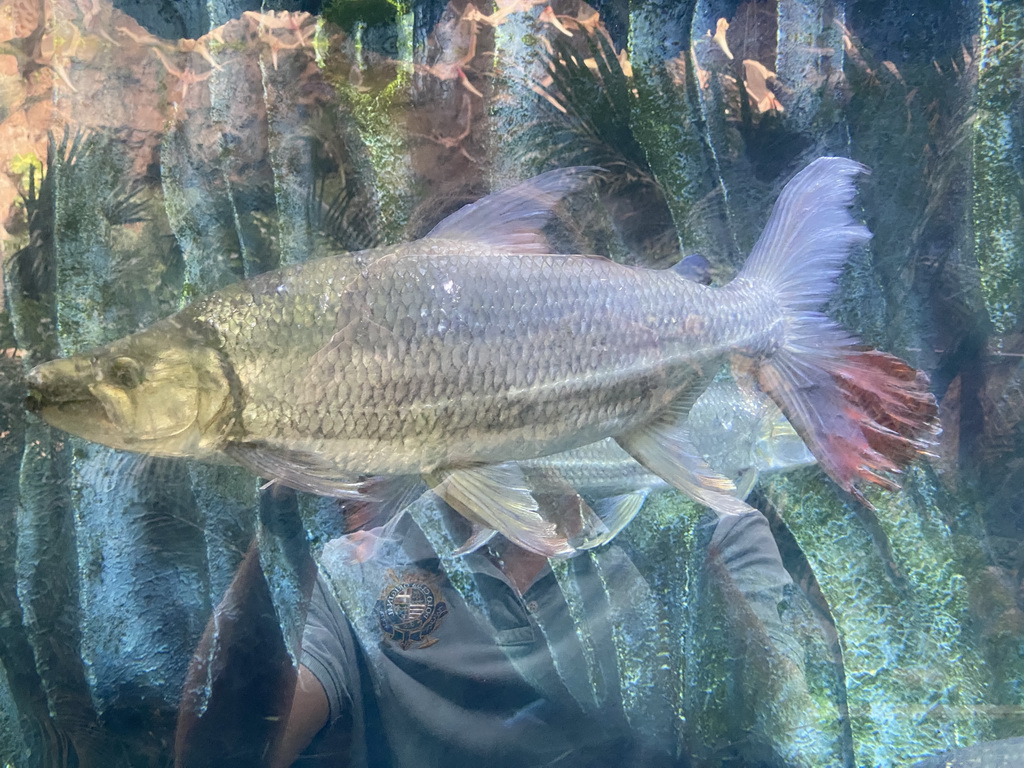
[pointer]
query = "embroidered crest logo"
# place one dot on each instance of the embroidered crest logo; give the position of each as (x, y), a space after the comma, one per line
(409, 609)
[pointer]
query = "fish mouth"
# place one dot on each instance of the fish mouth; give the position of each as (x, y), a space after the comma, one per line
(34, 401)
(56, 384)
(59, 393)
(38, 400)
(84, 417)
(56, 411)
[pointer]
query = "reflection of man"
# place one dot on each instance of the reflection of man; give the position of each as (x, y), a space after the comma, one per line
(405, 669)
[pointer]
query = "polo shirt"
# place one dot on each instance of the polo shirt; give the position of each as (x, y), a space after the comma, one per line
(433, 660)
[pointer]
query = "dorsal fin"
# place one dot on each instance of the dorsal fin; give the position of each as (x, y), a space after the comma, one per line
(514, 218)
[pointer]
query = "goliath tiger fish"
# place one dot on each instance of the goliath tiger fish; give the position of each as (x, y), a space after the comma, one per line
(451, 357)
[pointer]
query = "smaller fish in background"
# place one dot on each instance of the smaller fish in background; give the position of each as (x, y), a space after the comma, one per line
(593, 492)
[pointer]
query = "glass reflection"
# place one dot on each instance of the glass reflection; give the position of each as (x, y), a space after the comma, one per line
(154, 156)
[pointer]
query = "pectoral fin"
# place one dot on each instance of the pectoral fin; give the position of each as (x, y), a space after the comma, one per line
(296, 469)
(497, 496)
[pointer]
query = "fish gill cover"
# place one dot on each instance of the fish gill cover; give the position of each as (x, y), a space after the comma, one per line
(144, 170)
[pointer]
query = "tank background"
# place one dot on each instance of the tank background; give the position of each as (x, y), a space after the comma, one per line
(921, 600)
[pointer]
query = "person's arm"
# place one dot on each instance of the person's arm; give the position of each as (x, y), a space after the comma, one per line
(326, 688)
(308, 714)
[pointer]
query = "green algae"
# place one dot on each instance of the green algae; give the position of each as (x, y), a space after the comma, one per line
(375, 92)
(348, 14)
(810, 53)
(519, 64)
(750, 671)
(916, 683)
(997, 212)
(667, 121)
(291, 160)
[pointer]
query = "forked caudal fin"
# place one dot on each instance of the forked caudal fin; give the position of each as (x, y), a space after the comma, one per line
(859, 410)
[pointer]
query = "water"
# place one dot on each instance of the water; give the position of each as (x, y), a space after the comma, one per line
(155, 153)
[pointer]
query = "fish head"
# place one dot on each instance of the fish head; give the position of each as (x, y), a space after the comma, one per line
(159, 391)
(777, 447)
(738, 429)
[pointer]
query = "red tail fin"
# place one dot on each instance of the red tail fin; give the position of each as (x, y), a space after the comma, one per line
(859, 410)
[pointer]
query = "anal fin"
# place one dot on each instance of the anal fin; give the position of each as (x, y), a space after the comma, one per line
(665, 448)
(615, 512)
(381, 500)
(477, 538)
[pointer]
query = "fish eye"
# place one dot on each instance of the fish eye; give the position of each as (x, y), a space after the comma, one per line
(126, 372)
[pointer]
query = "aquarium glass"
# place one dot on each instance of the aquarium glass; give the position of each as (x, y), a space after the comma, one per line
(324, 515)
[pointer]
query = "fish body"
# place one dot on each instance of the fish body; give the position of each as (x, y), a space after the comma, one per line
(456, 356)
(453, 357)
(439, 355)
(598, 470)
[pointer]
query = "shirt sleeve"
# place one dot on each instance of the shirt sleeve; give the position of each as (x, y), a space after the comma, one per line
(329, 650)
